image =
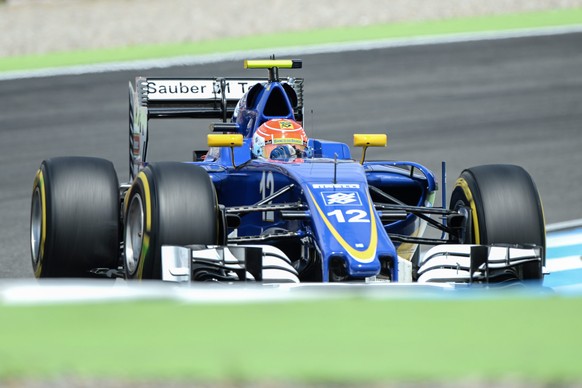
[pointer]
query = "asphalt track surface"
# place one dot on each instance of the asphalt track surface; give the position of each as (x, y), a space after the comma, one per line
(513, 101)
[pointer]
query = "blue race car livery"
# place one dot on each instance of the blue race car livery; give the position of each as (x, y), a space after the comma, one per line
(306, 213)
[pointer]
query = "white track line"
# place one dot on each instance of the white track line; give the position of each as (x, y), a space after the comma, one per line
(559, 226)
(304, 50)
(564, 264)
(26, 292)
(564, 240)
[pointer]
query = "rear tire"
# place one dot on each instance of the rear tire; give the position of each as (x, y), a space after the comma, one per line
(169, 203)
(504, 208)
(74, 222)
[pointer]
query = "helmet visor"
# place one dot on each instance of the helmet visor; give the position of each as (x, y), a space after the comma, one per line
(299, 148)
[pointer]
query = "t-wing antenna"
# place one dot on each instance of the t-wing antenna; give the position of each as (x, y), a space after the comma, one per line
(273, 65)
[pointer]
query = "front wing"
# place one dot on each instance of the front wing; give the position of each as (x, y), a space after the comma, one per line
(268, 264)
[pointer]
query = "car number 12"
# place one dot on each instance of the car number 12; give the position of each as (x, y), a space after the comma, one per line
(267, 188)
(356, 215)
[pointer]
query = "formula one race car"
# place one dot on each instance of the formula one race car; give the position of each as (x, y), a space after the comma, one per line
(265, 203)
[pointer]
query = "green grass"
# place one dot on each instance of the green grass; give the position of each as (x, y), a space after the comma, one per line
(350, 340)
(331, 35)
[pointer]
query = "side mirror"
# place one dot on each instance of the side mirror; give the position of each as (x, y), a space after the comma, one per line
(226, 140)
(369, 140)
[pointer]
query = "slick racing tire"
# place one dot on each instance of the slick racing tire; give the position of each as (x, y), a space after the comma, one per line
(74, 221)
(169, 203)
(504, 207)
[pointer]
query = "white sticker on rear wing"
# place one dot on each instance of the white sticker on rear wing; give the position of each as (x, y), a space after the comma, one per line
(196, 89)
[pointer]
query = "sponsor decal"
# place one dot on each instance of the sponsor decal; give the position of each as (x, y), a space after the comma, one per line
(331, 198)
(287, 140)
(176, 87)
(335, 185)
(135, 144)
(196, 89)
(285, 124)
(234, 89)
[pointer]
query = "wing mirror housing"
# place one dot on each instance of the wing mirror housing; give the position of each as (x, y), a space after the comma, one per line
(230, 140)
(366, 140)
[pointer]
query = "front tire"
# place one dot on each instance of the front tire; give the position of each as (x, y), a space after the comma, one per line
(169, 203)
(504, 208)
(74, 221)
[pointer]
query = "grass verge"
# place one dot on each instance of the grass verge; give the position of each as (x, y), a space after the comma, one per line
(351, 340)
(331, 35)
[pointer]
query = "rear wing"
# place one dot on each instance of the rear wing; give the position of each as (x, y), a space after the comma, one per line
(196, 97)
(210, 98)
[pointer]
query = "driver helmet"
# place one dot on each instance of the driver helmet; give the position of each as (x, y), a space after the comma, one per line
(279, 139)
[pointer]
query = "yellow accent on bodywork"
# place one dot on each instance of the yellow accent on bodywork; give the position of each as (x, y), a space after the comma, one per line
(39, 181)
(268, 63)
(146, 235)
(225, 140)
(469, 195)
(370, 140)
(365, 256)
